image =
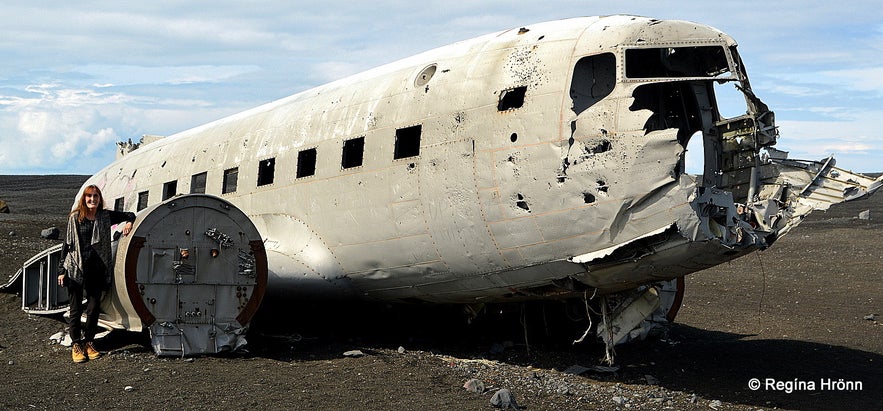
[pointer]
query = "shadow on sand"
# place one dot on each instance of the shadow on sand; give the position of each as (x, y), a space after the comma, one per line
(711, 364)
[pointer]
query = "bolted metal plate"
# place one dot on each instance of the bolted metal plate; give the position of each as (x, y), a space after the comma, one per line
(195, 272)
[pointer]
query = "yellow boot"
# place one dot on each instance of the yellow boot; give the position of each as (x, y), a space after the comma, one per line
(77, 353)
(91, 352)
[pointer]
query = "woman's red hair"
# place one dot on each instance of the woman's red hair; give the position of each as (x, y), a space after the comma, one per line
(81, 209)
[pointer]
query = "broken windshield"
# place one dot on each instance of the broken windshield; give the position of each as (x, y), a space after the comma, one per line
(696, 61)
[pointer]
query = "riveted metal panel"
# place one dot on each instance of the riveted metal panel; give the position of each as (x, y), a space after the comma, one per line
(195, 271)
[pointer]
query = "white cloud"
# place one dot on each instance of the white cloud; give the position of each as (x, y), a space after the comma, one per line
(856, 143)
(868, 79)
(793, 90)
(123, 75)
(86, 72)
(53, 126)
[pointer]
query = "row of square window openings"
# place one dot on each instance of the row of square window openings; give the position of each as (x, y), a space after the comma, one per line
(407, 144)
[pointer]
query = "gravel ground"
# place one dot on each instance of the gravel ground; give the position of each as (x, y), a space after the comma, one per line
(794, 314)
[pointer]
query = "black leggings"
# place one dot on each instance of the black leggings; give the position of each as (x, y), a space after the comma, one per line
(91, 289)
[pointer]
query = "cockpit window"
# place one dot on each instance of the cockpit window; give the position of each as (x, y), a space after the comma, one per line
(697, 61)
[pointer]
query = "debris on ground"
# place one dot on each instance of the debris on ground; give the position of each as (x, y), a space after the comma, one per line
(504, 399)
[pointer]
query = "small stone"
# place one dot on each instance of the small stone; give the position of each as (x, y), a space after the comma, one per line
(401, 350)
(504, 399)
(129, 388)
(11, 362)
(474, 385)
(354, 354)
(870, 317)
(496, 349)
(603, 369)
(620, 400)
(715, 404)
(576, 370)
(50, 233)
(864, 215)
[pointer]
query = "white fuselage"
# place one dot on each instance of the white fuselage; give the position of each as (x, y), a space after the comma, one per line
(495, 167)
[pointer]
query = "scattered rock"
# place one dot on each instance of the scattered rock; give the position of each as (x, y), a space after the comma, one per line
(354, 354)
(50, 233)
(864, 215)
(474, 385)
(12, 233)
(504, 399)
(401, 350)
(619, 400)
(129, 388)
(576, 370)
(715, 404)
(870, 317)
(11, 362)
(496, 349)
(603, 369)
(57, 338)
(4, 208)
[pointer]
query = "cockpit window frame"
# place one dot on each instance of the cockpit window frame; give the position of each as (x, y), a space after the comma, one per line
(730, 74)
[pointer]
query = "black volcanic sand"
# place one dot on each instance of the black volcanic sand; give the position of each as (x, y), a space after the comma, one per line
(794, 313)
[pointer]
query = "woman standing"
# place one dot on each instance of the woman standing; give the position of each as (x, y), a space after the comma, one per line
(86, 266)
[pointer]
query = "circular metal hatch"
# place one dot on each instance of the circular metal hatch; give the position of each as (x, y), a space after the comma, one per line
(195, 271)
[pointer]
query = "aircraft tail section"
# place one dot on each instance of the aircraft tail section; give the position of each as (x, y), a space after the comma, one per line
(193, 271)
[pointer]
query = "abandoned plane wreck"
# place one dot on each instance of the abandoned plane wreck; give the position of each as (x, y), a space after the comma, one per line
(545, 162)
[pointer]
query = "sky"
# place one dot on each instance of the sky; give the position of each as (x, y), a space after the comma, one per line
(77, 77)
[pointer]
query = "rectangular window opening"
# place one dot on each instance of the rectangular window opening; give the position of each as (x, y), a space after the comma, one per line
(266, 171)
(197, 183)
(407, 142)
(118, 204)
(353, 152)
(512, 98)
(142, 200)
(306, 163)
(231, 178)
(674, 62)
(169, 190)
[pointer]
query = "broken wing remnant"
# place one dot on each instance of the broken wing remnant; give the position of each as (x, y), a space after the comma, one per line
(40, 293)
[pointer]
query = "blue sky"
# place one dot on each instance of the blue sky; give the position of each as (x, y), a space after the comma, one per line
(76, 77)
